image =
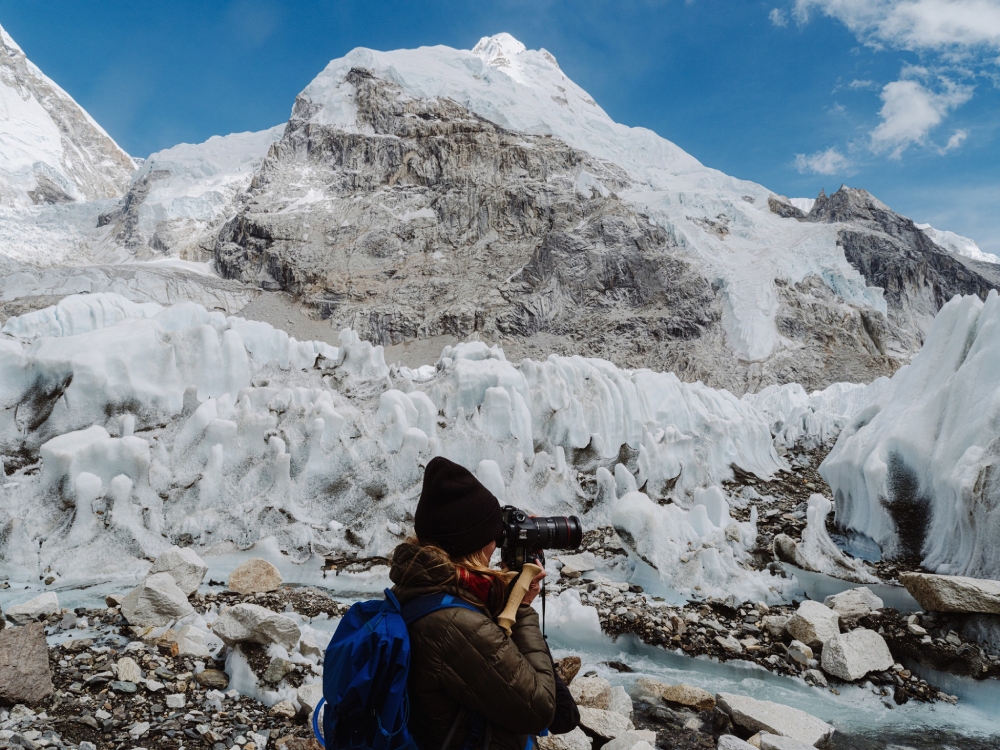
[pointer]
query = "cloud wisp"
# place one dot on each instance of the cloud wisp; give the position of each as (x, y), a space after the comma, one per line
(911, 110)
(829, 162)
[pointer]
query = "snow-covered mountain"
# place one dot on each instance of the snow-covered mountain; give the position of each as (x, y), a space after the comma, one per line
(956, 243)
(51, 150)
(482, 193)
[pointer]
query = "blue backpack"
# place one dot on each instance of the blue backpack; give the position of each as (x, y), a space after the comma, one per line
(365, 671)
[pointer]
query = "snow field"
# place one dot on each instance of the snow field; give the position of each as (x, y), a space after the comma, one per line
(916, 470)
(162, 424)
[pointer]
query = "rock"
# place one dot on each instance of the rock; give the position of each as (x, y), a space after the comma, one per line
(24, 665)
(123, 686)
(775, 624)
(853, 604)
(128, 670)
(185, 567)
(575, 740)
(729, 644)
(799, 652)
(155, 602)
(190, 641)
(634, 739)
(606, 725)
(620, 702)
(113, 600)
(732, 742)
(646, 690)
(213, 679)
(756, 716)
(953, 593)
(38, 608)
(277, 670)
(255, 624)
(309, 695)
(568, 668)
(850, 656)
(138, 729)
(815, 677)
(777, 742)
(592, 692)
(283, 709)
(254, 577)
(176, 700)
(308, 646)
(291, 743)
(813, 624)
(574, 566)
(688, 696)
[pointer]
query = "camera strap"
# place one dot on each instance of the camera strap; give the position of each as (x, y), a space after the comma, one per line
(543, 608)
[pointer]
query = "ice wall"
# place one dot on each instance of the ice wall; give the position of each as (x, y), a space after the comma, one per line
(126, 428)
(917, 469)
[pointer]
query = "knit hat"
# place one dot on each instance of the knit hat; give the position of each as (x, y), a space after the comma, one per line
(455, 511)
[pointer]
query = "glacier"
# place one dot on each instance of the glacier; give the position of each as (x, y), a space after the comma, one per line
(916, 469)
(129, 426)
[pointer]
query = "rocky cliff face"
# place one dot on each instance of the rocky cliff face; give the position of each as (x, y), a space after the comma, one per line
(51, 150)
(891, 252)
(427, 219)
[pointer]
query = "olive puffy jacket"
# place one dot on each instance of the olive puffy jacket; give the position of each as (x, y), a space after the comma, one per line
(460, 658)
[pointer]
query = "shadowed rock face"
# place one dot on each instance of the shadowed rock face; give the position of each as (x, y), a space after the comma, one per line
(892, 253)
(428, 220)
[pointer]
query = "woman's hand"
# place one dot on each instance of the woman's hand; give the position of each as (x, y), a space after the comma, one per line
(533, 588)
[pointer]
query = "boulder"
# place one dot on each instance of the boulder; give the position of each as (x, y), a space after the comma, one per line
(190, 641)
(308, 646)
(283, 710)
(850, 656)
(38, 608)
(777, 742)
(732, 742)
(813, 624)
(128, 670)
(607, 725)
(568, 667)
(213, 679)
(575, 740)
(631, 739)
(155, 602)
(800, 652)
(688, 696)
(277, 670)
(853, 604)
(953, 593)
(592, 692)
(183, 564)
(574, 566)
(24, 665)
(255, 624)
(646, 690)
(767, 716)
(620, 702)
(254, 577)
(775, 624)
(309, 695)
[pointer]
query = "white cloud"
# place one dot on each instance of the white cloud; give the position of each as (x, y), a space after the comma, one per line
(949, 26)
(856, 84)
(778, 17)
(827, 162)
(956, 140)
(910, 111)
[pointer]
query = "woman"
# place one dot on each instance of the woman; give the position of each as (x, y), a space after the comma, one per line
(468, 679)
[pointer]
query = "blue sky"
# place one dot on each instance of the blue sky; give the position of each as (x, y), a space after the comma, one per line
(901, 97)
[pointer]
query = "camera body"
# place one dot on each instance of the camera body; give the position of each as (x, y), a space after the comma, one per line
(524, 537)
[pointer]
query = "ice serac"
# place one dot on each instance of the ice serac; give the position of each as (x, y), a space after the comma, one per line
(917, 469)
(51, 150)
(453, 192)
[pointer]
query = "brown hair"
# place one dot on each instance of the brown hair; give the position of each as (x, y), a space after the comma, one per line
(474, 562)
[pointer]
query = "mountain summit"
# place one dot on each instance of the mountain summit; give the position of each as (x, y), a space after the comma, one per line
(51, 150)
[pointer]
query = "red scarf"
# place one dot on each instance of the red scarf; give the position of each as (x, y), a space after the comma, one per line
(476, 583)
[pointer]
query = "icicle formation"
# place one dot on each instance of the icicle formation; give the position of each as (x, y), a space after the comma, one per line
(162, 425)
(916, 470)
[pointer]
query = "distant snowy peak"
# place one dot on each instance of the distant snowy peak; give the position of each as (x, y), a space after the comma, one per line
(956, 243)
(51, 150)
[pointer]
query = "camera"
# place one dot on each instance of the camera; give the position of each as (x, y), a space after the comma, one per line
(523, 537)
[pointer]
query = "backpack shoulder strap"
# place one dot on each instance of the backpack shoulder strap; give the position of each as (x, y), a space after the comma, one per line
(422, 606)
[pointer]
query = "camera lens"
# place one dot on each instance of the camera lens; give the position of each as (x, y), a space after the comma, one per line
(559, 532)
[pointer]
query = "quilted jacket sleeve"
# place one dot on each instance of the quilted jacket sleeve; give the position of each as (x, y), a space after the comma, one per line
(509, 680)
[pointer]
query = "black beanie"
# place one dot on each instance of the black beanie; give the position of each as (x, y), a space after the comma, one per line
(455, 511)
